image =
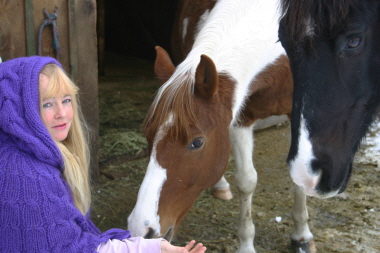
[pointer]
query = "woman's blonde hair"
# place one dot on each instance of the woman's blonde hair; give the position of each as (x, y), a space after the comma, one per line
(74, 148)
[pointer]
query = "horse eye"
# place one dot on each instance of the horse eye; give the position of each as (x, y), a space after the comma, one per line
(353, 42)
(196, 143)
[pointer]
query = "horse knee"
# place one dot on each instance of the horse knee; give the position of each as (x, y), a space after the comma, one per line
(246, 182)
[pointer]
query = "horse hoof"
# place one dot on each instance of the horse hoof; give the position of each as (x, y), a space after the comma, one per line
(222, 193)
(304, 246)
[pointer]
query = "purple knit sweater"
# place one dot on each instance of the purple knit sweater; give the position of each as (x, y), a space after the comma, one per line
(37, 212)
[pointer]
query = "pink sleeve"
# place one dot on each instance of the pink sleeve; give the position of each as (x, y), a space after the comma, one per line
(131, 245)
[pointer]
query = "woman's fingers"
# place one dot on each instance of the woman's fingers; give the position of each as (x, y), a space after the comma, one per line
(199, 248)
(190, 245)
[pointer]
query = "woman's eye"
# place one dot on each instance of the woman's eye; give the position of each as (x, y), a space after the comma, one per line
(46, 105)
(196, 143)
(353, 42)
(67, 100)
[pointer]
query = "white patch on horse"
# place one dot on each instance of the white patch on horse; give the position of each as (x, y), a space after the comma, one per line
(184, 28)
(202, 21)
(310, 27)
(149, 192)
(238, 48)
(300, 168)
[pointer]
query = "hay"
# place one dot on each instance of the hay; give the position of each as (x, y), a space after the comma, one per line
(116, 143)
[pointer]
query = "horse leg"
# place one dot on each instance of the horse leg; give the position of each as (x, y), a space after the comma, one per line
(246, 180)
(222, 189)
(301, 237)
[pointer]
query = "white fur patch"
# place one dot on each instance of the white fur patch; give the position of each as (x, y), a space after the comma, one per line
(145, 212)
(202, 21)
(310, 26)
(184, 28)
(300, 167)
(144, 215)
(241, 37)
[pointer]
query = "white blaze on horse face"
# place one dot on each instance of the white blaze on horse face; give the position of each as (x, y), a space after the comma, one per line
(310, 26)
(145, 213)
(300, 168)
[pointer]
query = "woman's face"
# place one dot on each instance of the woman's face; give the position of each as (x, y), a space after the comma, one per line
(56, 112)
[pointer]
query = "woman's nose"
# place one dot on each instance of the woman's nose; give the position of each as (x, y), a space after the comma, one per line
(60, 111)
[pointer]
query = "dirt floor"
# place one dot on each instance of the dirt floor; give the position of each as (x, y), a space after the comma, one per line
(349, 223)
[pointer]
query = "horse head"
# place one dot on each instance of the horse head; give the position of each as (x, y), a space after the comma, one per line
(334, 53)
(188, 137)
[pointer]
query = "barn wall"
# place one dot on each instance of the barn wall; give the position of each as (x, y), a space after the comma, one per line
(128, 27)
(12, 43)
(20, 21)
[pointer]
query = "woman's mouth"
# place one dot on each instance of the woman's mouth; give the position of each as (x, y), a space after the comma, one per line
(61, 126)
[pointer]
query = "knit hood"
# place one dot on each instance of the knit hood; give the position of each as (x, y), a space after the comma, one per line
(37, 208)
(20, 121)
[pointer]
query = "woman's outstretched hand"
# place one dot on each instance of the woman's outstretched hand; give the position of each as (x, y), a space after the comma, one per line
(166, 247)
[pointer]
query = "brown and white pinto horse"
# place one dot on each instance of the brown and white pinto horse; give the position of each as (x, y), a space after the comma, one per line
(234, 73)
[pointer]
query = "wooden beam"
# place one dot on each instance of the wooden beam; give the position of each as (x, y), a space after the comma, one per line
(29, 27)
(73, 41)
(100, 27)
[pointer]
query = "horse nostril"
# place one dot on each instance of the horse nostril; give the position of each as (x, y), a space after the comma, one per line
(150, 234)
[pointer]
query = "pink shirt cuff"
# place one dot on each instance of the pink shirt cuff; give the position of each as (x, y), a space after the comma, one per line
(131, 245)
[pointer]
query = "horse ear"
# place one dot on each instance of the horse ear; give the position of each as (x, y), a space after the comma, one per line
(163, 66)
(206, 78)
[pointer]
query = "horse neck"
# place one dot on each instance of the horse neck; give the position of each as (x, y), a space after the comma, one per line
(240, 37)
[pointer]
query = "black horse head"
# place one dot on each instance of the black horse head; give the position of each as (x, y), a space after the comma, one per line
(334, 51)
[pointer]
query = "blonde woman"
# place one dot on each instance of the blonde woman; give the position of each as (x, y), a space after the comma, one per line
(44, 179)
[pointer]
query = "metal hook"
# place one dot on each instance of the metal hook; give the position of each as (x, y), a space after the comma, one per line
(51, 19)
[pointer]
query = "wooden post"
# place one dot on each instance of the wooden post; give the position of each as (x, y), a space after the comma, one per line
(73, 40)
(101, 35)
(29, 26)
(87, 78)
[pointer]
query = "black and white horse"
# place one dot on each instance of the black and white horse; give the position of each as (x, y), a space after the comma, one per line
(334, 52)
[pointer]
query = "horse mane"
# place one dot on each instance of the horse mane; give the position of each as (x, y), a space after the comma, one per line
(174, 101)
(176, 96)
(325, 15)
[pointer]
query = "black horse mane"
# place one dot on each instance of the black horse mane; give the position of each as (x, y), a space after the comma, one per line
(325, 14)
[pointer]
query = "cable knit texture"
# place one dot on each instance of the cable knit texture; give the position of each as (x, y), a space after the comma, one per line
(37, 212)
